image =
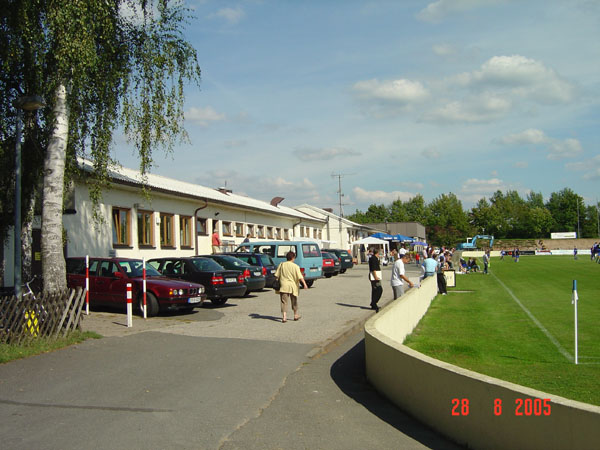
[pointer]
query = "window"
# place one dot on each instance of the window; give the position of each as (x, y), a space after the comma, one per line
(239, 229)
(251, 230)
(320, 236)
(270, 232)
(282, 250)
(185, 231)
(166, 230)
(120, 226)
(277, 233)
(201, 227)
(145, 224)
(267, 249)
(310, 250)
(286, 234)
(315, 234)
(227, 229)
(261, 231)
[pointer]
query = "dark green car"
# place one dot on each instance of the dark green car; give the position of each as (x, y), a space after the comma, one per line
(253, 275)
(344, 257)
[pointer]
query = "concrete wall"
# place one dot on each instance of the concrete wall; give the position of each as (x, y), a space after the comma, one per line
(429, 389)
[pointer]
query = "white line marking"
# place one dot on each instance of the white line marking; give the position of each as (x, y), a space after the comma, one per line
(564, 352)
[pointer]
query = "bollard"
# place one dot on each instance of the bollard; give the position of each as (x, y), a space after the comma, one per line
(87, 285)
(144, 287)
(129, 307)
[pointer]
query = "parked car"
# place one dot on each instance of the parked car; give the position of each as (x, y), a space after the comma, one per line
(109, 278)
(259, 259)
(331, 264)
(220, 283)
(308, 255)
(344, 256)
(253, 277)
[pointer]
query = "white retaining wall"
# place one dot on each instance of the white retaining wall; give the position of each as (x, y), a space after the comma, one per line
(432, 390)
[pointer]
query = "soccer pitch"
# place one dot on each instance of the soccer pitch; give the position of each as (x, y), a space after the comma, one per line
(517, 324)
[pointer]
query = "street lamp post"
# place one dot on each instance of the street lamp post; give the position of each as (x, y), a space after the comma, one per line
(21, 104)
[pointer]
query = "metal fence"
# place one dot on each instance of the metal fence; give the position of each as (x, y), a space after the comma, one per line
(47, 314)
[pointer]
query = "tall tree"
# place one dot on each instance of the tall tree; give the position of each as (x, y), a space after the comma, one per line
(567, 209)
(447, 222)
(416, 209)
(100, 65)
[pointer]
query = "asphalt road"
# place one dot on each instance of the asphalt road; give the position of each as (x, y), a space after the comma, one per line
(230, 377)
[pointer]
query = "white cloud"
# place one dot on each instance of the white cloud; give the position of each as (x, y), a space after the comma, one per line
(477, 186)
(444, 49)
(203, 116)
(556, 148)
(230, 15)
(324, 154)
(397, 91)
(438, 10)
(591, 168)
(363, 195)
(431, 153)
(521, 77)
(477, 109)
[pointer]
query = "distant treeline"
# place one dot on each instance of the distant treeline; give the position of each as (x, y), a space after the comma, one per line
(503, 215)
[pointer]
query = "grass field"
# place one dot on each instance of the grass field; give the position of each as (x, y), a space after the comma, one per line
(517, 324)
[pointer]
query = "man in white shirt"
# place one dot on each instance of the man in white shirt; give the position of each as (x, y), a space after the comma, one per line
(398, 274)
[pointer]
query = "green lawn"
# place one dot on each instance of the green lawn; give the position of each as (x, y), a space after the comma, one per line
(481, 327)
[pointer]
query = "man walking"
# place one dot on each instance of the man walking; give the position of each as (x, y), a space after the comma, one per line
(216, 242)
(398, 274)
(486, 261)
(375, 278)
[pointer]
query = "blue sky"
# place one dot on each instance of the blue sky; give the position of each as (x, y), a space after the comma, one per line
(400, 97)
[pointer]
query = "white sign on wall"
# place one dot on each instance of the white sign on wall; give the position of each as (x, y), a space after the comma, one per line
(564, 235)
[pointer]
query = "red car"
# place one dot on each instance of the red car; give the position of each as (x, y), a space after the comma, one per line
(109, 278)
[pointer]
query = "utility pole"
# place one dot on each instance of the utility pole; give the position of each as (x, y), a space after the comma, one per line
(340, 195)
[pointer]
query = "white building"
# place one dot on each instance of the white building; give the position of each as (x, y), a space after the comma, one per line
(338, 232)
(174, 217)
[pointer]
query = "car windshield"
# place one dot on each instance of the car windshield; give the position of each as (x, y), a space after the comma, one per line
(310, 250)
(327, 255)
(266, 260)
(133, 268)
(206, 265)
(232, 260)
(344, 253)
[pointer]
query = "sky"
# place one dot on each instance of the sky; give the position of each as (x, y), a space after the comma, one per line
(391, 99)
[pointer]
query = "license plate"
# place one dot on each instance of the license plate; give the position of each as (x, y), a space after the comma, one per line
(347, 260)
(257, 274)
(195, 300)
(231, 280)
(314, 269)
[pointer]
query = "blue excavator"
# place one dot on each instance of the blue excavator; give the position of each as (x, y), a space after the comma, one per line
(471, 243)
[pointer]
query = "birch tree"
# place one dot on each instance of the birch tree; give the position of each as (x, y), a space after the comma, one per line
(100, 64)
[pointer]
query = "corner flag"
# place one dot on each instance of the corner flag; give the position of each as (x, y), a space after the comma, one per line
(574, 299)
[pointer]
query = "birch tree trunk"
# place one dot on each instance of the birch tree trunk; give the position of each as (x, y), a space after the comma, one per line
(53, 263)
(27, 241)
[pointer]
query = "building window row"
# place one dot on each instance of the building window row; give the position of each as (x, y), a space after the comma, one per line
(121, 229)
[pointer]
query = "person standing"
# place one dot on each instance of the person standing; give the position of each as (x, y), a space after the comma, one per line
(375, 278)
(486, 261)
(430, 266)
(289, 275)
(575, 253)
(399, 274)
(247, 239)
(517, 254)
(216, 241)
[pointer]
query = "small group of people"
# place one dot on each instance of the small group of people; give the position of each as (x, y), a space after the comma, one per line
(595, 252)
(397, 280)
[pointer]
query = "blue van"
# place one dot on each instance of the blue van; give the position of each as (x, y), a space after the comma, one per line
(308, 255)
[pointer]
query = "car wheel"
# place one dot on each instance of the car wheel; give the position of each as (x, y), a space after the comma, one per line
(309, 283)
(151, 304)
(218, 301)
(343, 270)
(327, 275)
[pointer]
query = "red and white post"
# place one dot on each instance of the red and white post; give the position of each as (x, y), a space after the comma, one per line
(129, 307)
(144, 285)
(87, 285)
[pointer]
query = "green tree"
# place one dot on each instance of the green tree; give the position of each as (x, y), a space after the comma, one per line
(447, 222)
(99, 65)
(567, 210)
(397, 212)
(416, 209)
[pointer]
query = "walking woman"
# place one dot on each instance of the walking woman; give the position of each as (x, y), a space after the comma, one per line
(375, 278)
(289, 276)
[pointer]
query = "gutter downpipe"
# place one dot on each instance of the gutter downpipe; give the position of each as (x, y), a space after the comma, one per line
(196, 228)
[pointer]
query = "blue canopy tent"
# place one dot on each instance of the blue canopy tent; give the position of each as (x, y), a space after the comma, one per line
(402, 238)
